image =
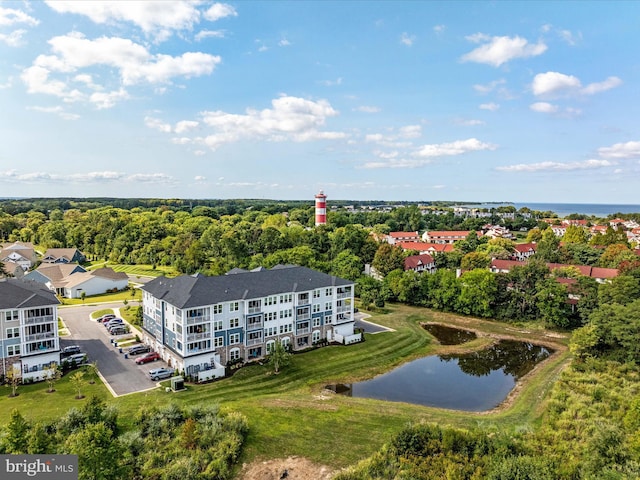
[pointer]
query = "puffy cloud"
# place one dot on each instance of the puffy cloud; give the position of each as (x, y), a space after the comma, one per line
(185, 126)
(156, 17)
(157, 124)
(210, 34)
(500, 50)
(284, 42)
(134, 63)
(556, 166)
(621, 150)
(489, 87)
(220, 10)
(543, 107)
(13, 39)
(200, 178)
(554, 84)
(12, 16)
(492, 107)
(454, 148)
(288, 119)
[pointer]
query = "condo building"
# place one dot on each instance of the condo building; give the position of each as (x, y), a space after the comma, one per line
(199, 324)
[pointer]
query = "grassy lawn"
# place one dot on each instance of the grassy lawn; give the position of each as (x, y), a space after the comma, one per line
(291, 414)
(139, 270)
(104, 298)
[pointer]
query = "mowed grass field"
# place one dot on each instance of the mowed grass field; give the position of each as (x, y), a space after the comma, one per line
(291, 414)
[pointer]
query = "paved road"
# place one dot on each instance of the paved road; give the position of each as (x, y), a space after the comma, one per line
(367, 326)
(122, 375)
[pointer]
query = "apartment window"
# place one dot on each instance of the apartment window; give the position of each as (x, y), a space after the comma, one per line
(316, 307)
(234, 323)
(40, 312)
(271, 300)
(286, 298)
(217, 325)
(285, 342)
(13, 350)
(328, 292)
(316, 322)
(316, 294)
(234, 338)
(286, 313)
(196, 312)
(270, 331)
(234, 306)
(286, 328)
(327, 306)
(9, 315)
(217, 309)
(178, 329)
(218, 342)
(271, 344)
(13, 332)
(315, 336)
(271, 316)
(234, 354)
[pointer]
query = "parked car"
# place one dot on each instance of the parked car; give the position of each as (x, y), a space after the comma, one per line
(160, 373)
(71, 349)
(105, 318)
(78, 358)
(115, 321)
(149, 357)
(119, 330)
(138, 349)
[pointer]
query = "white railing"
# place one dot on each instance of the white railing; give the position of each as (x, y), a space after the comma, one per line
(34, 320)
(344, 295)
(251, 310)
(39, 336)
(198, 336)
(303, 316)
(195, 320)
(302, 331)
(343, 309)
(344, 319)
(254, 341)
(255, 325)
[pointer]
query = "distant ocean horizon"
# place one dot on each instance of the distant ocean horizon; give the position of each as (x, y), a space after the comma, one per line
(563, 209)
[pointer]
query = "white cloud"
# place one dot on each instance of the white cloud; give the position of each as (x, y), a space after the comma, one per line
(133, 62)
(200, 178)
(489, 87)
(161, 178)
(104, 100)
(367, 109)
(543, 107)
(492, 107)
(410, 131)
(181, 141)
(500, 50)
(185, 126)
(569, 37)
(468, 122)
(454, 148)
(157, 124)
(201, 35)
(407, 39)
(332, 83)
(557, 166)
(220, 10)
(395, 138)
(284, 43)
(12, 16)
(621, 150)
(597, 87)
(13, 39)
(56, 110)
(155, 17)
(439, 29)
(555, 84)
(289, 119)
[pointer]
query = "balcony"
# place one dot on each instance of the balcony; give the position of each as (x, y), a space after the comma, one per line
(343, 309)
(254, 341)
(253, 325)
(344, 295)
(252, 310)
(196, 320)
(303, 331)
(342, 318)
(31, 349)
(39, 336)
(303, 316)
(37, 320)
(191, 337)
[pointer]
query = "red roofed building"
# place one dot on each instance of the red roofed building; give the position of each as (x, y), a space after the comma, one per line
(523, 251)
(396, 237)
(420, 263)
(600, 274)
(446, 236)
(424, 247)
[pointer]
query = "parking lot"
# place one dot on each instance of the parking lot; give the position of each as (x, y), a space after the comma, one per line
(122, 374)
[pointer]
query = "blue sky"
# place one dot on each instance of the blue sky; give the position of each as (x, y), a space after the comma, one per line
(474, 101)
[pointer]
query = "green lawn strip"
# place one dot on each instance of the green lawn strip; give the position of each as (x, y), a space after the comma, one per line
(99, 313)
(104, 298)
(291, 414)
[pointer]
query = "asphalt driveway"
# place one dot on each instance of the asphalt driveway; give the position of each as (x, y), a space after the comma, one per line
(122, 375)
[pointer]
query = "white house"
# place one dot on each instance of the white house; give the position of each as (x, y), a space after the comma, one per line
(94, 282)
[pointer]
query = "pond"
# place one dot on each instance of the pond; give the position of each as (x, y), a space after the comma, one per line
(474, 381)
(449, 335)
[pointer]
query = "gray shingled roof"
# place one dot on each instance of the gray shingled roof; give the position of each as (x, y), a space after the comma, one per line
(194, 291)
(16, 293)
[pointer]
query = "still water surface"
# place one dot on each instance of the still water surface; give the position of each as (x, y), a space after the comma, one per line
(475, 381)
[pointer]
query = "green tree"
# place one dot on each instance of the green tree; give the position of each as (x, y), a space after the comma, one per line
(278, 358)
(548, 248)
(616, 254)
(78, 381)
(369, 290)
(13, 379)
(623, 289)
(39, 441)
(347, 265)
(52, 375)
(575, 234)
(99, 452)
(388, 258)
(478, 289)
(475, 260)
(551, 302)
(16, 433)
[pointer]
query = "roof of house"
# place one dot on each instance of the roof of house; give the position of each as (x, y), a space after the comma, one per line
(55, 272)
(424, 246)
(16, 293)
(17, 246)
(525, 247)
(586, 270)
(189, 291)
(67, 253)
(79, 278)
(403, 234)
(415, 261)
(108, 272)
(450, 233)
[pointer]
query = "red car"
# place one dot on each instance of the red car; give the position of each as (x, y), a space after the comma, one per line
(149, 357)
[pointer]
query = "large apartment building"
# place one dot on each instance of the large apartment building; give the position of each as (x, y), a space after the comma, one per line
(28, 328)
(199, 324)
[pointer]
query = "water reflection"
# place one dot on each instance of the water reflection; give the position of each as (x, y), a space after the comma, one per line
(474, 381)
(449, 335)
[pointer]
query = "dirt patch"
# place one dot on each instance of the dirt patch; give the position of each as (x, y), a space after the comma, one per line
(291, 468)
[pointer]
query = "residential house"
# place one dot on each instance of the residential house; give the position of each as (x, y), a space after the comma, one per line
(452, 236)
(63, 255)
(559, 230)
(54, 275)
(18, 253)
(522, 251)
(420, 263)
(94, 282)
(496, 231)
(28, 328)
(397, 237)
(600, 274)
(424, 247)
(199, 324)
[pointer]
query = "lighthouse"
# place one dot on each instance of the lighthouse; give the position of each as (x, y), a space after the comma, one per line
(321, 208)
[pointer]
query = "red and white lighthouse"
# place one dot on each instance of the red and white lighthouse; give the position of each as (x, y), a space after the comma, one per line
(321, 209)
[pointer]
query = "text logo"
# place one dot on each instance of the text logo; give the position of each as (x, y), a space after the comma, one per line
(50, 467)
